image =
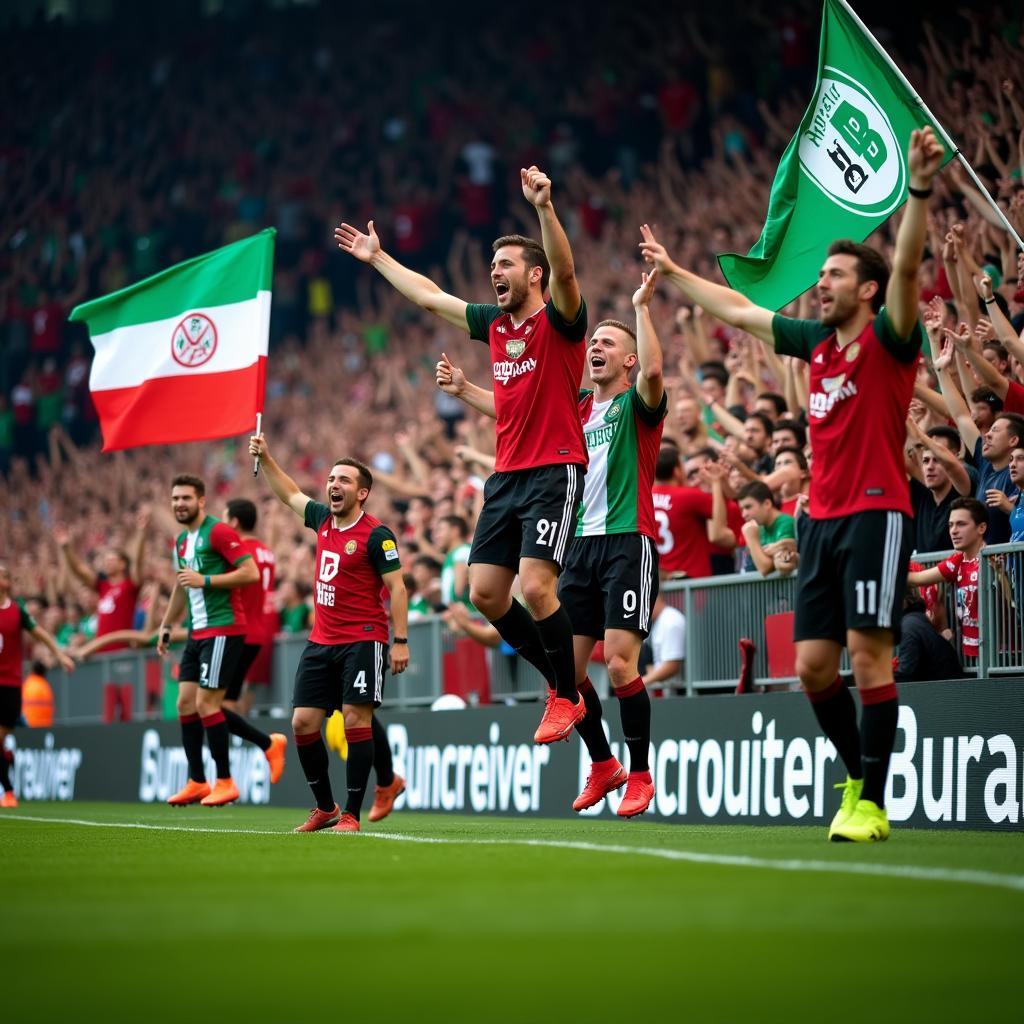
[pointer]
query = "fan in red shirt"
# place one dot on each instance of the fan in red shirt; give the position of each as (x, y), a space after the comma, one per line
(681, 515)
(117, 584)
(532, 499)
(240, 515)
(342, 665)
(855, 544)
(14, 619)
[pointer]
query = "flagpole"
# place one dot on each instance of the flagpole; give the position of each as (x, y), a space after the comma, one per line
(259, 428)
(894, 68)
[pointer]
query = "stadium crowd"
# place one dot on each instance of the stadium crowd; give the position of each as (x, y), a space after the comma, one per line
(124, 156)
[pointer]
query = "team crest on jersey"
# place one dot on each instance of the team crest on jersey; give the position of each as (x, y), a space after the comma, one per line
(514, 348)
(194, 340)
(350, 547)
(199, 543)
(613, 412)
(853, 351)
(831, 384)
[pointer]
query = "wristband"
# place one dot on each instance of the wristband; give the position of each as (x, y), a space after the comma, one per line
(208, 583)
(919, 193)
(989, 302)
(400, 640)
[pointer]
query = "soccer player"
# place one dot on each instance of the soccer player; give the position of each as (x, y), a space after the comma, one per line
(854, 549)
(212, 565)
(117, 585)
(13, 619)
(342, 665)
(681, 514)
(532, 498)
(241, 517)
(610, 580)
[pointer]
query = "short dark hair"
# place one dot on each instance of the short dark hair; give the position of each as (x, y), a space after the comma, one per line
(714, 370)
(801, 459)
(533, 254)
(871, 266)
(795, 427)
(987, 397)
(1016, 422)
(667, 464)
(979, 513)
(777, 400)
(188, 480)
(427, 562)
(998, 347)
(949, 434)
(244, 511)
(758, 490)
(458, 524)
(362, 470)
(765, 422)
(620, 326)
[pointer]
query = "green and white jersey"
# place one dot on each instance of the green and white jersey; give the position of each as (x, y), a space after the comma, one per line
(622, 436)
(209, 550)
(457, 556)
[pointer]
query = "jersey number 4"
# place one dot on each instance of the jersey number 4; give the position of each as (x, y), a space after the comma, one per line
(360, 682)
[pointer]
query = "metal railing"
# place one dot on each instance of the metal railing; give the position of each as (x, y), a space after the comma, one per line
(719, 611)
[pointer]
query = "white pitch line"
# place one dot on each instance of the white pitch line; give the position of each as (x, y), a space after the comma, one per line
(990, 879)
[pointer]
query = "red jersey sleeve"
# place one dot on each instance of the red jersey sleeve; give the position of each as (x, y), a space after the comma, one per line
(1014, 400)
(949, 567)
(228, 544)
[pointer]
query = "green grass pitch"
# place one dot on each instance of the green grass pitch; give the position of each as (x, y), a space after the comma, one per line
(217, 915)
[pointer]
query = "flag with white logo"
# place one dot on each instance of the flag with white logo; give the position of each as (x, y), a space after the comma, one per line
(844, 172)
(181, 356)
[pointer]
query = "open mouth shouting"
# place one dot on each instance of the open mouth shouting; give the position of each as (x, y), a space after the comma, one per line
(501, 290)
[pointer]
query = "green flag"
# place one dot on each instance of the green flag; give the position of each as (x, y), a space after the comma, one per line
(844, 172)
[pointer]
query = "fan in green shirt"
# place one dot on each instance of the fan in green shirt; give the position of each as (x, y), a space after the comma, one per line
(770, 534)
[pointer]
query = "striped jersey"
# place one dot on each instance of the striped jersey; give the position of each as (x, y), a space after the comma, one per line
(622, 435)
(212, 548)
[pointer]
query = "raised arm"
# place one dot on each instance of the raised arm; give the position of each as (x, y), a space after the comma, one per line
(650, 384)
(955, 404)
(953, 466)
(138, 548)
(283, 486)
(901, 295)
(452, 381)
(415, 287)
(565, 289)
(725, 303)
(1004, 329)
(78, 567)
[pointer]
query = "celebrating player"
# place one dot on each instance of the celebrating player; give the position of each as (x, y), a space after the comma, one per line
(241, 517)
(531, 500)
(13, 619)
(854, 550)
(610, 580)
(342, 665)
(211, 566)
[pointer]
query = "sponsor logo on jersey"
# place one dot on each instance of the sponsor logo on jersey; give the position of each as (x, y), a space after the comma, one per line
(194, 340)
(505, 370)
(837, 389)
(388, 545)
(515, 347)
(849, 149)
(350, 548)
(329, 562)
(390, 554)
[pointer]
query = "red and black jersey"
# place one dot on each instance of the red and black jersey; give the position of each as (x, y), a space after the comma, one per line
(13, 619)
(350, 566)
(537, 367)
(681, 515)
(116, 607)
(858, 402)
(255, 596)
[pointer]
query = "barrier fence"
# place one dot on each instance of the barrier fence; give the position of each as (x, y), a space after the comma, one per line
(719, 612)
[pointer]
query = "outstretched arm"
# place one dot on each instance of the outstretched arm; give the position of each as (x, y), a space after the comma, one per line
(81, 569)
(565, 290)
(138, 550)
(728, 305)
(954, 400)
(286, 489)
(44, 636)
(650, 384)
(415, 287)
(901, 295)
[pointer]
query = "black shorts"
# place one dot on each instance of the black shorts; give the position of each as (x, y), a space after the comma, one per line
(210, 662)
(330, 675)
(235, 682)
(528, 513)
(852, 575)
(10, 706)
(610, 583)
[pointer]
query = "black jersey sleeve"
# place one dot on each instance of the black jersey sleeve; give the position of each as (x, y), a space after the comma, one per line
(316, 514)
(652, 417)
(382, 550)
(574, 331)
(798, 337)
(905, 350)
(479, 317)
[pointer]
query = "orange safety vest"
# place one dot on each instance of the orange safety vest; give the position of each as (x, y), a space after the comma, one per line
(37, 701)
